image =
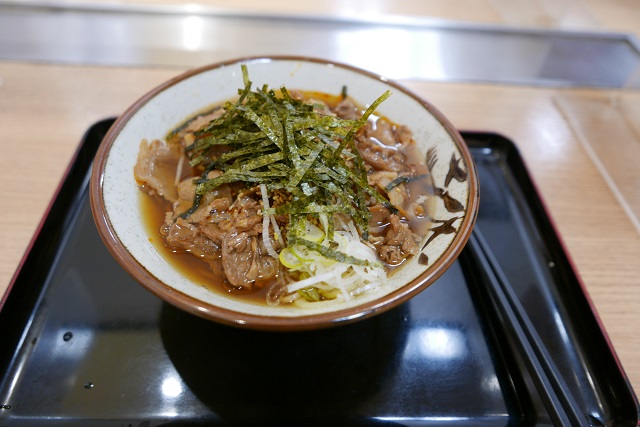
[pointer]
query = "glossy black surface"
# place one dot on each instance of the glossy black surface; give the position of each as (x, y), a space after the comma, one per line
(82, 344)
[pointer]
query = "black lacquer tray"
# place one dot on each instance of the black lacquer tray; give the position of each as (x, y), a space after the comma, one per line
(506, 337)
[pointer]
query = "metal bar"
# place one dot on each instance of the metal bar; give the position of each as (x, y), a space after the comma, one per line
(398, 48)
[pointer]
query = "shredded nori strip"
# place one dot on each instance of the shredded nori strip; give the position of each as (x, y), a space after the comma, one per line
(328, 252)
(288, 144)
(402, 180)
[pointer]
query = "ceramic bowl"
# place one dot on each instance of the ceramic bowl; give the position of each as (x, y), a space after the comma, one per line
(117, 212)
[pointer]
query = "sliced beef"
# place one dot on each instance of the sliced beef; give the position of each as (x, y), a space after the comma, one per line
(346, 109)
(213, 208)
(392, 255)
(179, 235)
(399, 242)
(223, 215)
(244, 257)
(245, 260)
(397, 195)
(186, 190)
(245, 216)
(155, 169)
(381, 179)
(377, 154)
(380, 216)
(224, 231)
(203, 120)
(384, 132)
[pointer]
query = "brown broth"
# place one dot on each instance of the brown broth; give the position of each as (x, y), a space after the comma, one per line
(197, 270)
(190, 266)
(193, 268)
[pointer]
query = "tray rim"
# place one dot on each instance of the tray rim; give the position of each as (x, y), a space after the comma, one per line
(512, 153)
(499, 140)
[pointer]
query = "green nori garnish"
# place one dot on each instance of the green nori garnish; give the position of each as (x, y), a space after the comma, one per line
(284, 143)
(402, 180)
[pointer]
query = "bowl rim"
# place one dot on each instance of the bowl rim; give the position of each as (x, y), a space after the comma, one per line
(277, 323)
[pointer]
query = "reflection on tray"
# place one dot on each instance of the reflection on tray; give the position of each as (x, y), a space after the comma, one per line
(241, 373)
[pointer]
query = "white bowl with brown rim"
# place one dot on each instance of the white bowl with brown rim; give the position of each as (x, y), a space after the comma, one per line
(116, 206)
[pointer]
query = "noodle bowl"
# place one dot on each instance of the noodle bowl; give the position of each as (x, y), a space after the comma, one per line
(421, 183)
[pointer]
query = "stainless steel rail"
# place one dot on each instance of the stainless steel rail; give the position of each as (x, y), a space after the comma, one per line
(398, 48)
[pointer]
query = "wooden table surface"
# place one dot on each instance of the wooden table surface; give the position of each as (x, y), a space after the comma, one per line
(45, 109)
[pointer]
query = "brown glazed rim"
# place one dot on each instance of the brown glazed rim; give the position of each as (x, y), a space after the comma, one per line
(276, 323)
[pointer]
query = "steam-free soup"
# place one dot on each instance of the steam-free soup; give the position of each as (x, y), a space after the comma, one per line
(286, 197)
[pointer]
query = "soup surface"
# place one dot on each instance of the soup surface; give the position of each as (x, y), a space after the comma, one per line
(286, 197)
